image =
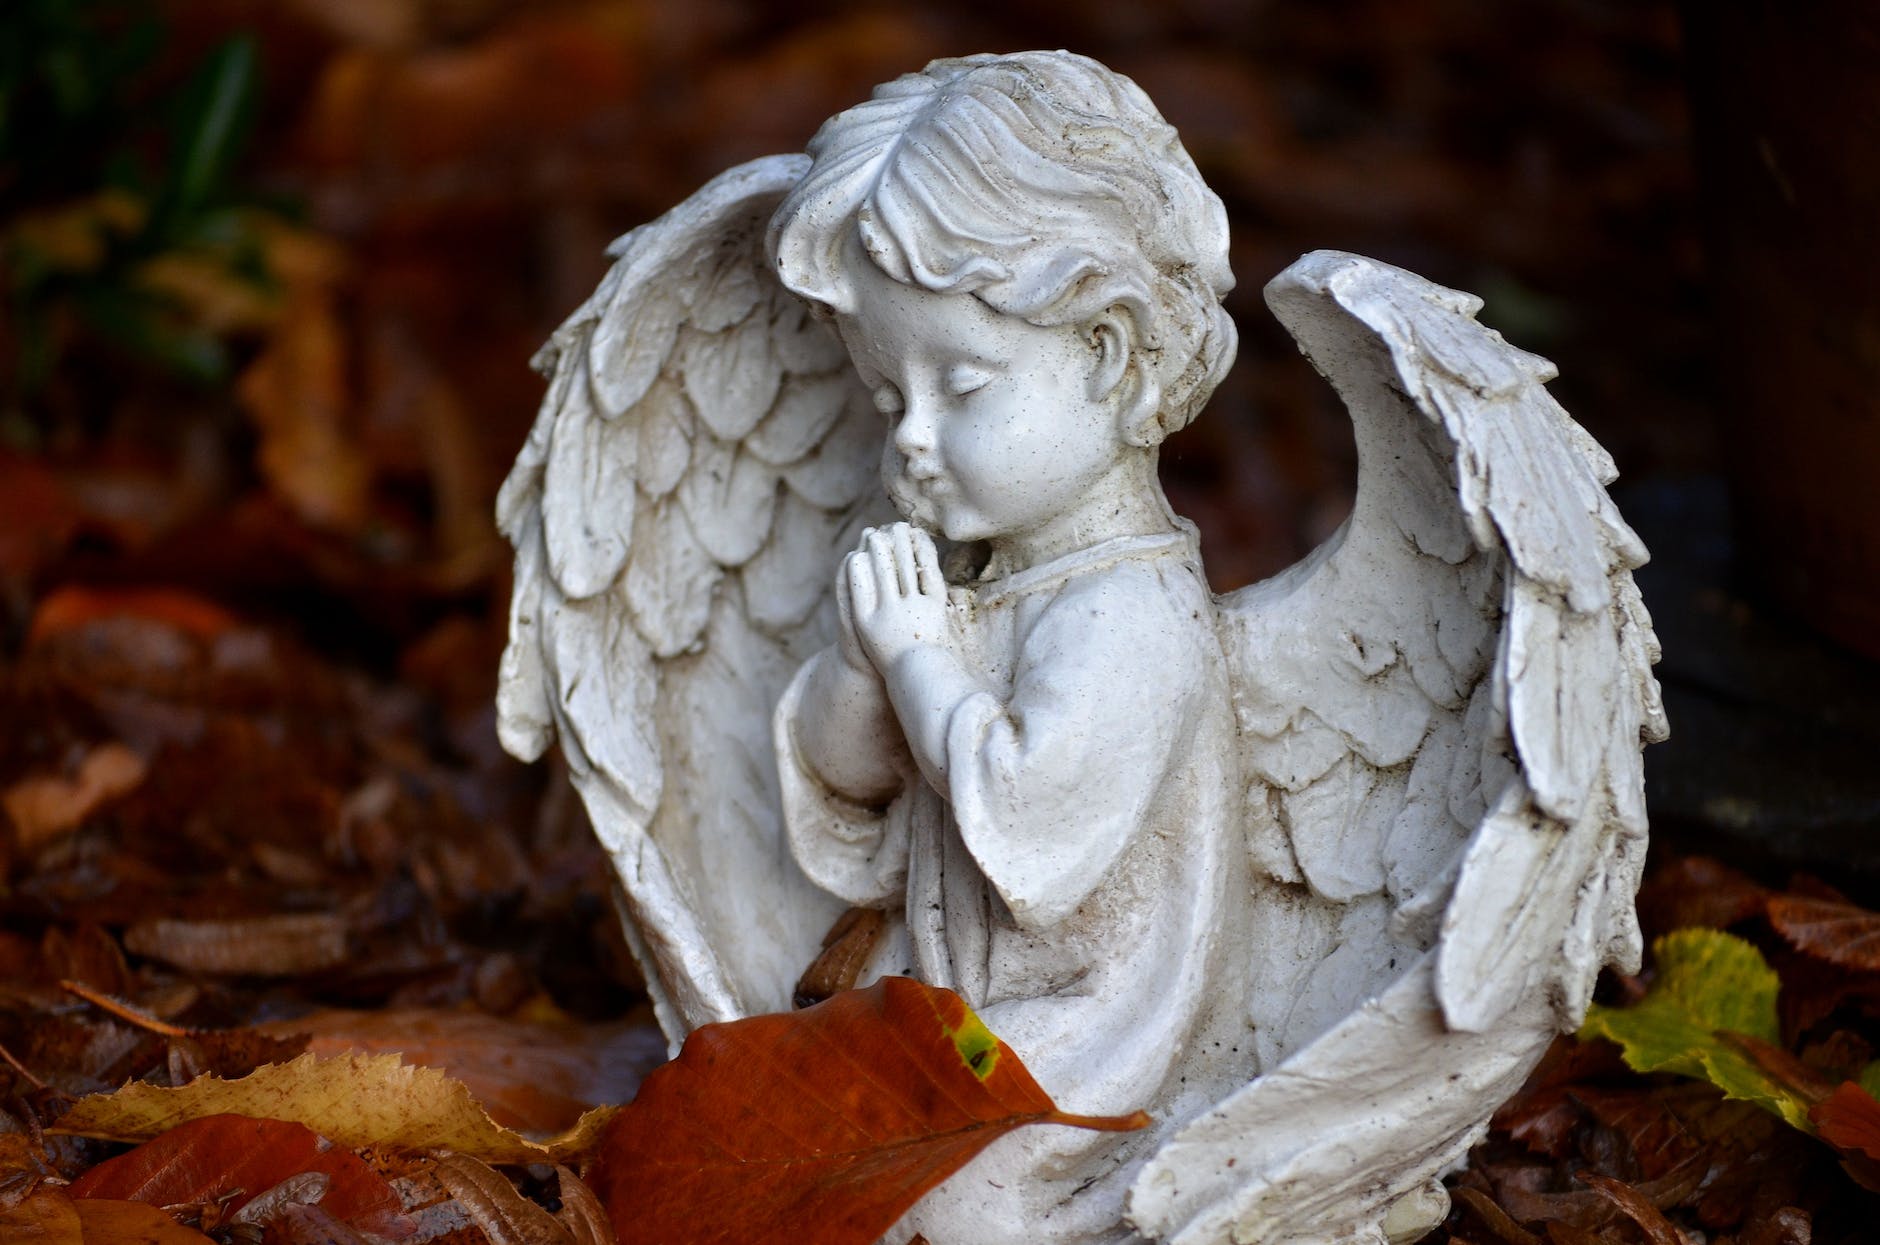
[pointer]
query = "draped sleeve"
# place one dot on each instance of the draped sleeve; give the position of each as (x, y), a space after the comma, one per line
(854, 851)
(1050, 787)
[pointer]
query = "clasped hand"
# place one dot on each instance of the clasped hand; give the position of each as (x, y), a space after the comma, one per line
(892, 598)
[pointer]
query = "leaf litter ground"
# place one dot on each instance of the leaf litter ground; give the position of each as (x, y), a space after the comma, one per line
(255, 817)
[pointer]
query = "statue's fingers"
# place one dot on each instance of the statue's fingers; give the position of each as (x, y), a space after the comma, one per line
(845, 589)
(863, 594)
(905, 567)
(881, 562)
(927, 564)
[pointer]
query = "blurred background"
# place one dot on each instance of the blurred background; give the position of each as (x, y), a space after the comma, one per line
(273, 272)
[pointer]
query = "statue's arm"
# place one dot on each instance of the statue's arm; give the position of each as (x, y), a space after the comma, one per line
(845, 732)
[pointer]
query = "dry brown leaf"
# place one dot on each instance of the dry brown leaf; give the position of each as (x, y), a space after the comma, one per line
(309, 1225)
(493, 1204)
(1494, 1218)
(285, 945)
(1834, 930)
(352, 1100)
(1637, 1207)
(45, 806)
(45, 1218)
(131, 1223)
(581, 1212)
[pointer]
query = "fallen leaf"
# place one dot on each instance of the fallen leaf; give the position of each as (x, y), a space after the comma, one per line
(1849, 1119)
(46, 806)
(1838, 932)
(284, 945)
(1707, 982)
(1795, 1078)
(581, 1212)
(131, 1223)
(504, 1215)
(1657, 1137)
(1638, 1208)
(531, 1076)
(823, 1124)
(352, 1100)
(71, 608)
(845, 949)
(1696, 891)
(310, 1225)
(1786, 1225)
(46, 1218)
(1494, 1218)
(302, 1189)
(86, 954)
(297, 394)
(232, 1158)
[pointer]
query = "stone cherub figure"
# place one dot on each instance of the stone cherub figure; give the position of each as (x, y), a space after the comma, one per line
(1312, 872)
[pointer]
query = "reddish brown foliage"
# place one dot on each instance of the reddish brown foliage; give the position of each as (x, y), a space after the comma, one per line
(1838, 932)
(227, 1161)
(825, 1123)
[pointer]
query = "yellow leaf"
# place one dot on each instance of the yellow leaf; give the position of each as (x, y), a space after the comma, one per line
(214, 295)
(296, 392)
(353, 1100)
(74, 237)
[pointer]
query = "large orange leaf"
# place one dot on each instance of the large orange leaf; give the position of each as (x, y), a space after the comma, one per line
(229, 1159)
(820, 1125)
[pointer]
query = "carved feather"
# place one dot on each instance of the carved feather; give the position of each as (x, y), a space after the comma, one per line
(647, 491)
(1445, 704)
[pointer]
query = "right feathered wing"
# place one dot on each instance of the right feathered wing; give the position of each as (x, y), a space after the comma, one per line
(1441, 712)
(703, 456)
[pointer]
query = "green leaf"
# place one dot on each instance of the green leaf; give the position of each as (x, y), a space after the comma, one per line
(218, 103)
(1869, 1078)
(1708, 983)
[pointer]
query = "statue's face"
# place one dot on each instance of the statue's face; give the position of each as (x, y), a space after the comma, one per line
(996, 425)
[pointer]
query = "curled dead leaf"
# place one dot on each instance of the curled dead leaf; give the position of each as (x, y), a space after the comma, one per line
(581, 1212)
(494, 1205)
(1494, 1218)
(1637, 1207)
(283, 945)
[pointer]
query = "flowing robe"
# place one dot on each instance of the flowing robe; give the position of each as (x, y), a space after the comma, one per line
(1083, 883)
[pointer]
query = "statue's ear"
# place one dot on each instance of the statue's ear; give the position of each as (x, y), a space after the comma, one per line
(1119, 377)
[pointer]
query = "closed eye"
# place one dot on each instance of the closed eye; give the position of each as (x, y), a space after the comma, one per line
(964, 378)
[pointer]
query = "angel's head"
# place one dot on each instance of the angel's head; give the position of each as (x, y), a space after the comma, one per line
(1022, 236)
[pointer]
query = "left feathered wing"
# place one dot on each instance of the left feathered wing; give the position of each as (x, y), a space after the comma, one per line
(1442, 710)
(703, 456)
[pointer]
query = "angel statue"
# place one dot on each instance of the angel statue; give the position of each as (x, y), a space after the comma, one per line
(844, 578)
